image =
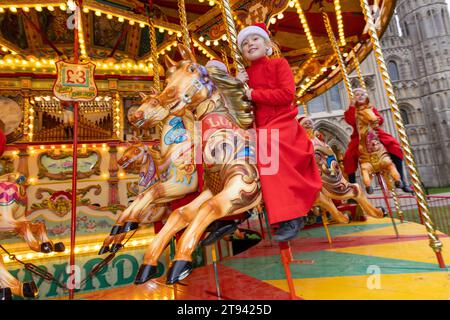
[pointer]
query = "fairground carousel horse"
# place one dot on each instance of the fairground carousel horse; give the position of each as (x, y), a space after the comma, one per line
(373, 156)
(231, 177)
(13, 222)
(167, 172)
(137, 155)
(335, 186)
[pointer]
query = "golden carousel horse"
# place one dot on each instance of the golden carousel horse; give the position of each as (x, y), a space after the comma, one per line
(137, 154)
(231, 177)
(14, 222)
(374, 157)
(166, 174)
(334, 185)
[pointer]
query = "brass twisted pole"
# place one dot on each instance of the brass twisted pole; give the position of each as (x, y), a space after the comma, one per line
(183, 22)
(358, 70)
(154, 50)
(225, 59)
(227, 17)
(422, 203)
(397, 205)
(305, 108)
(340, 59)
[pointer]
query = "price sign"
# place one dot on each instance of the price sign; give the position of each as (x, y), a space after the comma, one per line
(75, 82)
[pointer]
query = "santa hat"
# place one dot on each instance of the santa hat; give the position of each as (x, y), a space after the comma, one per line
(359, 89)
(301, 118)
(258, 28)
(218, 64)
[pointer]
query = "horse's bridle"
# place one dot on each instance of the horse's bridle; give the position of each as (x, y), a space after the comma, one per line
(197, 84)
(143, 153)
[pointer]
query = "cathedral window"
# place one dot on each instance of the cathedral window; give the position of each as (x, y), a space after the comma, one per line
(317, 104)
(393, 71)
(335, 98)
(405, 115)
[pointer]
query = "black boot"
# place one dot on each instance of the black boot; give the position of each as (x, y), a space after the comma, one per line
(289, 229)
(407, 188)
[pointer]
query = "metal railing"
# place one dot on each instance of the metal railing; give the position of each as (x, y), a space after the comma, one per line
(439, 208)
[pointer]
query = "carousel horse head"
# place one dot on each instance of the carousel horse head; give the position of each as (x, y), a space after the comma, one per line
(188, 83)
(372, 143)
(150, 112)
(193, 87)
(137, 152)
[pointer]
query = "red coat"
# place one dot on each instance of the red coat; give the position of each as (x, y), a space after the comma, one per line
(2, 142)
(352, 153)
(292, 190)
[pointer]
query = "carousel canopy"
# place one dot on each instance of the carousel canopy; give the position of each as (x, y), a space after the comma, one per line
(115, 34)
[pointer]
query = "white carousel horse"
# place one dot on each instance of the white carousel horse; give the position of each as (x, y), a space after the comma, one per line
(14, 222)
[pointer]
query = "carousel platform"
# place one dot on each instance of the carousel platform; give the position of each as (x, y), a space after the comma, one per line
(365, 261)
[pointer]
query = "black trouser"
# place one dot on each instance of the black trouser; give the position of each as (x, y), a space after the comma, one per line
(397, 162)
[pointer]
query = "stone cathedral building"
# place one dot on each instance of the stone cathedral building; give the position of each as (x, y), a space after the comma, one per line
(416, 49)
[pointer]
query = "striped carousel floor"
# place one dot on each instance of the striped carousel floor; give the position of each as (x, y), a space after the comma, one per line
(348, 269)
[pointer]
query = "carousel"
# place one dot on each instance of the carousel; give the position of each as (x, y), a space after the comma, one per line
(110, 186)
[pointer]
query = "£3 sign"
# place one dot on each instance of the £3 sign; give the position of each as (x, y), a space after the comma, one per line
(75, 82)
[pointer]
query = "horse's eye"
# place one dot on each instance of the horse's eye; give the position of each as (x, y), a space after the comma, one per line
(191, 69)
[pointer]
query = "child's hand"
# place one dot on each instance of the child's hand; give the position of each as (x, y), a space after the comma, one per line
(242, 76)
(248, 93)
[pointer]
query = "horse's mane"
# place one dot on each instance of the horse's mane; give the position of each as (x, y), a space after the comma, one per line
(233, 90)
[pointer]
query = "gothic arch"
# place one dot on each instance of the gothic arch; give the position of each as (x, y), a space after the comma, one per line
(408, 113)
(393, 69)
(339, 138)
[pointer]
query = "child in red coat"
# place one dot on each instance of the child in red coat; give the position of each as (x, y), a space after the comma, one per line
(352, 154)
(290, 182)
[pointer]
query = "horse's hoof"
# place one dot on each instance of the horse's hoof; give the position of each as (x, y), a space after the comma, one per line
(130, 226)
(384, 211)
(369, 189)
(398, 184)
(46, 247)
(59, 247)
(5, 294)
(116, 230)
(219, 233)
(179, 270)
(103, 250)
(145, 273)
(30, 290)
(115, 247)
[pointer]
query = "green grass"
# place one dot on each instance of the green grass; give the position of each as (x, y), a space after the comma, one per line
(439, 215)
(438, 190)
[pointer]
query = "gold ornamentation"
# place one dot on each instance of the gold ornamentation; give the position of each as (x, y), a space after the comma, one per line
(435, 243)
(337, 52)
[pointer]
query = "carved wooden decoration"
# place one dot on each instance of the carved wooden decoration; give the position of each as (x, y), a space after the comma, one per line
(57, 165)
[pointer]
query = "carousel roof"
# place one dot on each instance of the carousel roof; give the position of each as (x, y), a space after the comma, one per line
(115, 35)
